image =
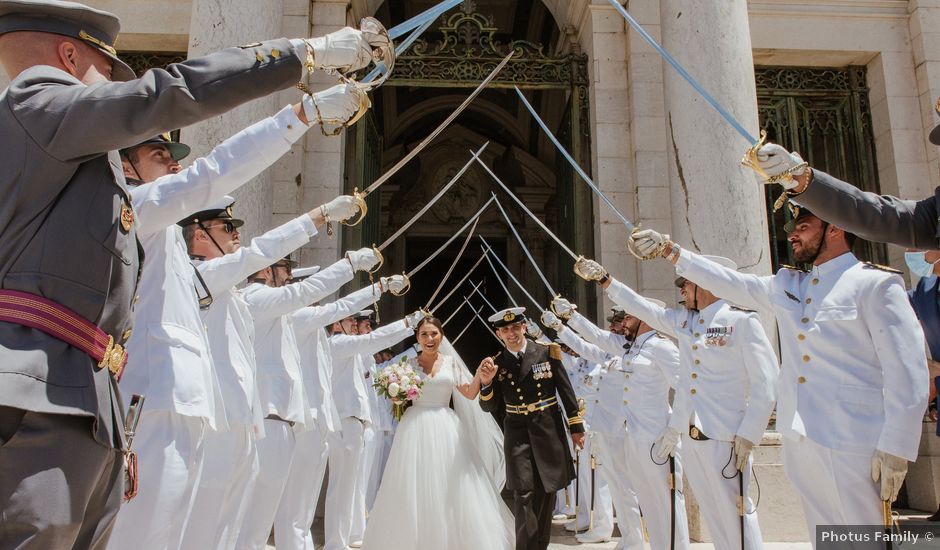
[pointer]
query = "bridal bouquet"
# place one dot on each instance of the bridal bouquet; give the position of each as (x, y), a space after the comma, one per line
(400, 384)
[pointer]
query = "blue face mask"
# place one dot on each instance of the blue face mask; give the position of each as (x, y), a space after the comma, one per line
(917, 262)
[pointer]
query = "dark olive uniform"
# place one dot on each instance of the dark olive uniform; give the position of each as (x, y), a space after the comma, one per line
(528, 390)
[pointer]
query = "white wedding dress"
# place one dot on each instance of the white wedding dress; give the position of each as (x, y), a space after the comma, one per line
(440, 489)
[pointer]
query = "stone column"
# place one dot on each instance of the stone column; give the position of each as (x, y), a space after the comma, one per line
(217, 24)
(717, 206)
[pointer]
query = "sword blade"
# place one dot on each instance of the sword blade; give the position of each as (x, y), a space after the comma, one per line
(466, 328)
(508, 273)
(433, 200)
(487, 302)
(683, 73)
(529, 212)
(427, 15)
(424, 143)
(476, 313)
(457, 286)
(380, 69)
(451, 316)
(499, 280)
(450, 269)
(450, 240)
(574, 164)
(525, 249)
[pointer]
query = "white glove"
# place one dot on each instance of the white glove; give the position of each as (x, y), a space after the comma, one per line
(551, 320)
(341, 208)
(394, 284)
(667, 443)
(347, 49)
(646, 243)
(775, 160)
(562, 308)
(890, 471)
(412, 319)
(742, 451)
(336, 105)
(589, 270)
(533, 330)
(363, 259)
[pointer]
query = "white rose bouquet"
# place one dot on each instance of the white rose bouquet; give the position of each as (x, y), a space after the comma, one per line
(400, 384)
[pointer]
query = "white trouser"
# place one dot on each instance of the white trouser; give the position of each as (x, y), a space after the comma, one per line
(231, 468)
(275, 453)
(370, 450)
(835, 487)
(651, 484)
(603, 505)
(170, 451)
(611, 460)
(346, 456)
(382, 446)
(706, 463)
(298, 505)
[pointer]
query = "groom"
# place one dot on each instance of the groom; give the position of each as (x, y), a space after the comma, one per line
(528, 375)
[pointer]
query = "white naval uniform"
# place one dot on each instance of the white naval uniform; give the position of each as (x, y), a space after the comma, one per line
(726, 388)
(607, 438)
(232, 457)
(853, 379)
(635, 389)
(350, 392)
(582, 373)
(296, 511)
(169, 354)
(281, 387)
(611, 342)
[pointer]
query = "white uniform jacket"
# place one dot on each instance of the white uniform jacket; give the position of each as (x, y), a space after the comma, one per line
(168, 349)
(728, 367)
(280, 381)
(633, 388)
(350, 387)
(611, 342)
(316, 359)
(228, 319)
(854, 374)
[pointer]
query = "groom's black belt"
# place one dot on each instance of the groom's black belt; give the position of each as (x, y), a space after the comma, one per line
(532, 407)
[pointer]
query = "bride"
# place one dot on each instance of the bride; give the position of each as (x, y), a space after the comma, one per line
(440, 489)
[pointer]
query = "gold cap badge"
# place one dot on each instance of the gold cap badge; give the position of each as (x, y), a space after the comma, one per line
(509, 316)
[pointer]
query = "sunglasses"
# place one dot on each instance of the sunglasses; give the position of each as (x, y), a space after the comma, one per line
(227, 226)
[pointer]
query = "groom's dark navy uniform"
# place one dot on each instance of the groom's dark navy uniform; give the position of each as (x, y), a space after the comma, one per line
(528, 388)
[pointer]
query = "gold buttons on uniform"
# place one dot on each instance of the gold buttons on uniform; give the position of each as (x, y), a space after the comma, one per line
(695, 347)
(815, 281)
(806, 358)
(697, 334)
(694, 376)
(697, 362)
(809, 300)
(804, 320)
(625, 402)
(275, 53)
(693, 391)
(539, 385)
(626, 388)
(259, 57)
(801, 337)
(801, 380)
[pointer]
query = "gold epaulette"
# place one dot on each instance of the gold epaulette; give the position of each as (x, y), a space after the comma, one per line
(554, 351)
(744, 309)
(882, 268)
(794, 268)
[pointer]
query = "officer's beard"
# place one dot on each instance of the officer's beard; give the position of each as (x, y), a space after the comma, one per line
(808, 253)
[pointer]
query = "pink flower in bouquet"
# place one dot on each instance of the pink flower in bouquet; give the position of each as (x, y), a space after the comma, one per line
(412, 393)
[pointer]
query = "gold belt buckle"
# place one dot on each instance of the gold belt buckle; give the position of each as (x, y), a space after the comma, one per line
(113, 356)
(531, 407)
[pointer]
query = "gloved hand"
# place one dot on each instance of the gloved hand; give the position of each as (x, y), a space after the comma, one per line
(336, 105)
(341, 208)
(551, 320)
(775, 160)
(667, 443)
(347, 49)
(890, 471)
(589, 270)
(394, 284)
(563, 308)
(647, 244)
(412, 319)
(363, 259)
(742, 451)
(533, 330)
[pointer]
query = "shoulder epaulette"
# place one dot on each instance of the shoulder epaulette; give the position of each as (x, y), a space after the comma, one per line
(794, 268)
(744, 309)
(554, 351)
(880, 267)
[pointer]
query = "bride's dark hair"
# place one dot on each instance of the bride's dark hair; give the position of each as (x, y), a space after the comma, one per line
(433, 320)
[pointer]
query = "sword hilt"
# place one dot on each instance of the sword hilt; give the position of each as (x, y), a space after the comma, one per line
(363, 209)
(405, 290)
(750, 156)
(379, 265)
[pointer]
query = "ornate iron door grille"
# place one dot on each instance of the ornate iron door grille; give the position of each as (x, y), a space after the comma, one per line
(824, 114)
